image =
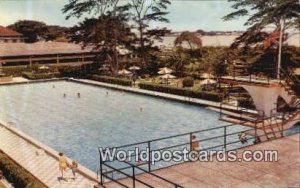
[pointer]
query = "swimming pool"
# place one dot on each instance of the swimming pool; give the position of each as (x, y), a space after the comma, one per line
(77, 126)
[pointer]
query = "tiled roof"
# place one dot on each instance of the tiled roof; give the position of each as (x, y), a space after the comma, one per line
(6, 32)
(40, 48)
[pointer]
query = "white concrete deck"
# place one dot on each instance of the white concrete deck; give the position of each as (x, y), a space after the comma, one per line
(40, 160)
(15, 80)
(285, 173)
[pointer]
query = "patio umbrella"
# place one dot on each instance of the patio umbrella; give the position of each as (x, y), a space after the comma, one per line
(168, 76)
(124, 72)
(208, 81)
(43, 67)
(165, 70)
(134, 68)
(207, 75)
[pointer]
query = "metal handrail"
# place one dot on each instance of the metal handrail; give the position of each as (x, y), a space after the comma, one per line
(225, 144)
(168, 181)
(129, 176)
(220, 145)
(178, 135)
(174, 136)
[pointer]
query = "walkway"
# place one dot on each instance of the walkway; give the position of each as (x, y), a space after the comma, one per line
(282, 174)
(42, 163)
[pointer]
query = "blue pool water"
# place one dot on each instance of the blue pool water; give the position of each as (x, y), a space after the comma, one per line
(78, 126)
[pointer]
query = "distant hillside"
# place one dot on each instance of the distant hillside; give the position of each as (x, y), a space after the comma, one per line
(210, 33)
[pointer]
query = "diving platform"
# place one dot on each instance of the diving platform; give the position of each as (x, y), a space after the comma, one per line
(269, 122)
(265, 92)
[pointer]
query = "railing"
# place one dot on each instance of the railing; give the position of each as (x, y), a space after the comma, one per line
(289, 79)
(285, 75)
(253, 76)
(225, 137)
(242, 112)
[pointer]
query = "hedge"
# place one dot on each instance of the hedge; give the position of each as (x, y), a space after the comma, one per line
(212, 96)
(16, 174)
(36, 76)
(15, 71)
(112, 80)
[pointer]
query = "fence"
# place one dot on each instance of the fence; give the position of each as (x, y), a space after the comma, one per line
(215, 138)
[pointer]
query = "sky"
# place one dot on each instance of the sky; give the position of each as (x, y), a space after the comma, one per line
(183, 14)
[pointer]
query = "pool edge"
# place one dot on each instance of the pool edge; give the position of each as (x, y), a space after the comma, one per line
(84, 171)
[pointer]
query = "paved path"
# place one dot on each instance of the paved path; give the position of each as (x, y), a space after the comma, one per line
(282, 174)
(41, 164)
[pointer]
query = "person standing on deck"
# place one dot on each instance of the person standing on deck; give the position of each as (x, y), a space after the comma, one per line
(195, 146)
(63, 164)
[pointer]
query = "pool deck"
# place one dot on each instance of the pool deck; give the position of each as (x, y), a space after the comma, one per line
(285, 173)
(40, 160)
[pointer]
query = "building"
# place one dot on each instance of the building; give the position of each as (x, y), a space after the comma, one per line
(10, 36)
(16, 54)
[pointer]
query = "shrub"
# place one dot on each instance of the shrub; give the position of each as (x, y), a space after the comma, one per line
(188, 82)
(112, 80)
(16, 174)
(37, 76)
(15, 71)
(212, 96)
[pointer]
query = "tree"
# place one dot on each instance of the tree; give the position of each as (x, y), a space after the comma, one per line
(190, 38)
(144, 12)
(107, 34)
(31, 30)
(213, 58)
(178, 60)
(264, 14)
(283, 14)
(140, 12)
(55, 32)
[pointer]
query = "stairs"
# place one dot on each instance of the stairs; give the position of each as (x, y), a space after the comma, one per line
(269, 128)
